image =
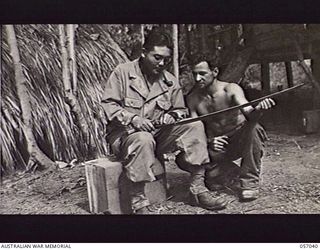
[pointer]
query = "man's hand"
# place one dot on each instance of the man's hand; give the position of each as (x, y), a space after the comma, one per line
(167, 119)
(142, 124)
(218, 143)
(266, 104)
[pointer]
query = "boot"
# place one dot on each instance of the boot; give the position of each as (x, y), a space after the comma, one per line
(200, 195)
(138, 198)
(144, 211)
(249, 195)
(207, 201)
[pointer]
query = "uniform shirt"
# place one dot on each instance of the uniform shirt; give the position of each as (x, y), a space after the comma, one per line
(126, 95)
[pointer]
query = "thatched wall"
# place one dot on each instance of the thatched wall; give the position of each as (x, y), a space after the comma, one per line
(53, 124)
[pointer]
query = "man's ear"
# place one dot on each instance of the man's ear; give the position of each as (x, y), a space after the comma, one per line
(215, 71)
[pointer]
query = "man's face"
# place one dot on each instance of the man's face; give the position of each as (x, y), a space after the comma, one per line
(203, 75)
(157, 60)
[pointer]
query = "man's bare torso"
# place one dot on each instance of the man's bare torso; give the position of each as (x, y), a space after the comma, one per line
(204, 103)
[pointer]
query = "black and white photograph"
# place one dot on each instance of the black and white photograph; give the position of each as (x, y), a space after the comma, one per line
(160, 119)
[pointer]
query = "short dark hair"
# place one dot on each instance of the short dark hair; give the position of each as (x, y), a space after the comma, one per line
(198, 58)
(158, 37)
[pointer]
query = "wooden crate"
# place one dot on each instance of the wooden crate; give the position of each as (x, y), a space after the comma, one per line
(108, 187)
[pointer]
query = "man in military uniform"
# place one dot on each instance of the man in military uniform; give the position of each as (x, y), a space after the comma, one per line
(136, 95)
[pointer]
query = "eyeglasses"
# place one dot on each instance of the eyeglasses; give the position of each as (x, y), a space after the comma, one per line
(165, 59)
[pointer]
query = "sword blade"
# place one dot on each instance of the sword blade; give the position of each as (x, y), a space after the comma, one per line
(203, 117)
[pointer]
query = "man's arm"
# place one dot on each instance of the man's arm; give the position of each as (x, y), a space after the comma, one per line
(191, 104)
(239, 98)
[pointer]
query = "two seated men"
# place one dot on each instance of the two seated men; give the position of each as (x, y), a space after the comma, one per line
(140, 92)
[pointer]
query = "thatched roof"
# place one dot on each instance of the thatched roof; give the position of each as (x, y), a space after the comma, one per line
(54, 127)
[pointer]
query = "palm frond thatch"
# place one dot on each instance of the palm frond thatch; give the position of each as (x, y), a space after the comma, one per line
(53, 123)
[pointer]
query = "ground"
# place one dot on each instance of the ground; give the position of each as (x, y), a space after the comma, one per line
(290, 185)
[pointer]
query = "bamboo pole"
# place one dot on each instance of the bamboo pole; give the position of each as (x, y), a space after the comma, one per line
(69, 69)
(175, 50)
(72, 59)
(64, 61)
(68, 55)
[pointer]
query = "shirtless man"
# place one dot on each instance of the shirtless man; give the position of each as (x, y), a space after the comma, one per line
(231, 135)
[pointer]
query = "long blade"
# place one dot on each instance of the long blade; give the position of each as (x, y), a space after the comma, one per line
(203, 117)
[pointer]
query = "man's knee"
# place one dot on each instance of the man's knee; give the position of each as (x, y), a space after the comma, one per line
(194, 127)
(194, 130)
(141, 138)
(193, 136)
(259, 138)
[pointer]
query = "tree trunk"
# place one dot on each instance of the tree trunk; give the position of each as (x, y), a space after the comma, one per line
(203, 37)
(289, 74)
(68, 67)
(1, 168)
(37, 157)
(64, 57)
(72, 60)
(175, 50)
(265, 78)
(234, 71)
(142, 33)
(188, 43)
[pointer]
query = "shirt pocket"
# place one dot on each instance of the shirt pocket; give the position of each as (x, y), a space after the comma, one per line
(133, 105)
(163, 105)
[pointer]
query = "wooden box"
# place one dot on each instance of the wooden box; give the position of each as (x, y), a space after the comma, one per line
(108, 186)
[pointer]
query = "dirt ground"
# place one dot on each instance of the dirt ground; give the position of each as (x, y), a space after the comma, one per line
(290, 185)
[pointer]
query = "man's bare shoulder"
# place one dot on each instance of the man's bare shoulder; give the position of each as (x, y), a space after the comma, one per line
(231, 87)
